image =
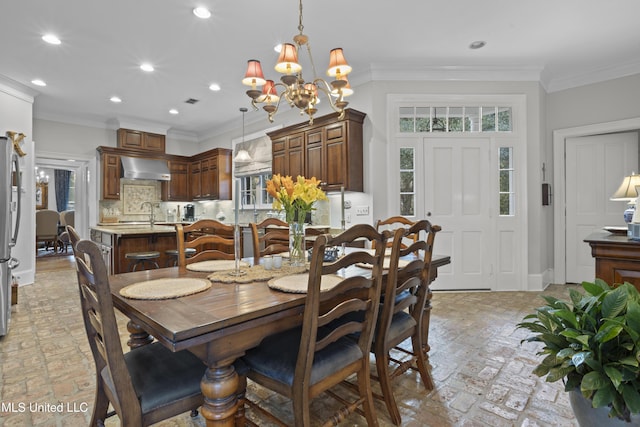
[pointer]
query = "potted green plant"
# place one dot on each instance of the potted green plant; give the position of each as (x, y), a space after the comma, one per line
(593, 345)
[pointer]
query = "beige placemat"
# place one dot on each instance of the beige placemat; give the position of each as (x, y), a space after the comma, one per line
(165, 288)
(297, 283)
(215, 265)
(387, 261)
(254, 274)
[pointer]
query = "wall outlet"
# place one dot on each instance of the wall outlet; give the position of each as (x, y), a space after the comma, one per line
(347, 218)
(362, 210)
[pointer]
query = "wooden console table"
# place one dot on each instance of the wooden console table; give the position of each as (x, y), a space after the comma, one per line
(617, 258)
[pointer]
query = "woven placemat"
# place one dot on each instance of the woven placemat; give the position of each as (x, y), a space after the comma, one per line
(256, 273)
(215, 265)
(298, 283)
(165, 288)
(387, 262)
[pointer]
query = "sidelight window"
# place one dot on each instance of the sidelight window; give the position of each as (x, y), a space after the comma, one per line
(407, 181)
(507, 185)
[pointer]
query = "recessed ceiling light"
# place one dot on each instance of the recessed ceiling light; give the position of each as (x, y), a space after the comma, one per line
(115, 99)
(38, 82)
(214, 87)
(146, 67)
(477, 44)
(173, 111)
(51, 39)
(278, 47)
(202, 12)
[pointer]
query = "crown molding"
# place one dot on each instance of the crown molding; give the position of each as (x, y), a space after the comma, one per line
(592, 76)
(454, 72)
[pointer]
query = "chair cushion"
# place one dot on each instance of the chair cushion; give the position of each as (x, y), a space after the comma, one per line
(276, 356)
(161, 377)
(400, 323)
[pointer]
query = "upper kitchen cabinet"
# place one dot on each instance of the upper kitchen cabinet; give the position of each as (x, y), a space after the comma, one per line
(111, 171)
(210, 175)
(178, 188)
(329, 149)
(138, 140)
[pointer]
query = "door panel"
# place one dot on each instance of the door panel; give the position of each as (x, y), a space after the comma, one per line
(595, 166)
(458, 197)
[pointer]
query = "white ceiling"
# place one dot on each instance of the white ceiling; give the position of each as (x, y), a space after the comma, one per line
(561, 43)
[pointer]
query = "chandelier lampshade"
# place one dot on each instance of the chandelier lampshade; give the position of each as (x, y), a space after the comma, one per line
(297, 92)
(338, 65)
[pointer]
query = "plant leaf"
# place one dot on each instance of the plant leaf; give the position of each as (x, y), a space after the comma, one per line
(593, 380)
(592, 288)
(556, 374)
(614, 375)
(633, 316)
(608, 331)
(614, 302)
(603, 397)
(579, 358)
(631, 398)
(569, 316)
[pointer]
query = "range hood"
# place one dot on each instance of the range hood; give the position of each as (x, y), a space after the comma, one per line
(138, 168)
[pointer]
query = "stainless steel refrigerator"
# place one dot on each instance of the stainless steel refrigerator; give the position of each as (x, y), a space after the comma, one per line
(9, 225)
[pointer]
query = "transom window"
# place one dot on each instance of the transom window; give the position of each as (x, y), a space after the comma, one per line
(253, 190)
(455, 119)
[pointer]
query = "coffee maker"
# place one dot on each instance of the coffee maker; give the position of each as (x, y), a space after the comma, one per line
(189, 212)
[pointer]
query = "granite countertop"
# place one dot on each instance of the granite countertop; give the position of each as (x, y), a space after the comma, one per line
(143, 227)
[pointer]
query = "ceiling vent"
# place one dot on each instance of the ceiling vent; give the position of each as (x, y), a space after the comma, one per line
(192, 101)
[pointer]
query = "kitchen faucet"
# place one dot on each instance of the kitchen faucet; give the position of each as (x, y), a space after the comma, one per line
(255, 210)
(152, 217)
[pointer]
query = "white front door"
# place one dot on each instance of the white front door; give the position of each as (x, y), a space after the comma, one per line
(595, 166)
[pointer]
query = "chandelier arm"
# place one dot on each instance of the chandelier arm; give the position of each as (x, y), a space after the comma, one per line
(326, 89)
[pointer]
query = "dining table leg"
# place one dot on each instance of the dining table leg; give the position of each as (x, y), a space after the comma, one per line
(219, 386)
(137, 336)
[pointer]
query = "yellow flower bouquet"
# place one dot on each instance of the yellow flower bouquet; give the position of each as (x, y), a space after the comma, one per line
(296, 199)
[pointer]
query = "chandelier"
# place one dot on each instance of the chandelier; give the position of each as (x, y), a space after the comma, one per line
(295, 90)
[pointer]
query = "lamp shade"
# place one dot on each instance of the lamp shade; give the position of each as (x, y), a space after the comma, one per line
(242, 156)
(288, 60)
(254, 76)
(628, 190)
(346, 90)
(269, 93)
(338, 65)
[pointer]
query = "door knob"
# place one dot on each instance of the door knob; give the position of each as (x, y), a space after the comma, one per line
(429, 213)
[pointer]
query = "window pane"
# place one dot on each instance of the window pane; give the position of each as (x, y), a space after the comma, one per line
(472, 119)
(505, 158)
(406, 158)
(505, 204)
(406, 119)
(439, 119)
(406, 182)
(406, 205)
(455, 119)
(488, 119)
(423, 120)
(504, 119)
(505, 180)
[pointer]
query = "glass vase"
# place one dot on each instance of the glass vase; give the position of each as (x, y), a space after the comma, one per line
(296, 244)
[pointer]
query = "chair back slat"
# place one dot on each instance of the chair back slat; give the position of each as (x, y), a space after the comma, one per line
(211, 239)
(100, 321)
(357, 295)
(270, 236)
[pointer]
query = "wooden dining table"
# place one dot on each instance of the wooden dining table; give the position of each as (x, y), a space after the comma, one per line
(218, 325)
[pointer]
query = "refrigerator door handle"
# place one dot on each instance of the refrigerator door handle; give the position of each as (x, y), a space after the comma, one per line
(16, 162)
(13, 263)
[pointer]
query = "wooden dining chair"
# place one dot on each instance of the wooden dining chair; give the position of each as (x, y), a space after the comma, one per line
(303, 362)
(270, 236)
(145, 385)
(406, 297)
(211, 239)
(392, 224)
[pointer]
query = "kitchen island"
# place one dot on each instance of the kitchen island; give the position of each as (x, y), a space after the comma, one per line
(117, 239)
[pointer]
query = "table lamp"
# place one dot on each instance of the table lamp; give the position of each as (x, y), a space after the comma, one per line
(628, 192)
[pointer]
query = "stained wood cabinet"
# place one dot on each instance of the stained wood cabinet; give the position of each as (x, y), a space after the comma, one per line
(330, 150)
(178, 188)
(111, 170)
(210, 175)
(139, 140)
(617, 258)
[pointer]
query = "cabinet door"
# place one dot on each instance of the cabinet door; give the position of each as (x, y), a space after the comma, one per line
(130, 139)
(295, 154)
(336, 172)
(208, 179)
(314, 162)
(111, 177)
(279, 157)
(153, 142)
(178, 187)
(195, 177)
